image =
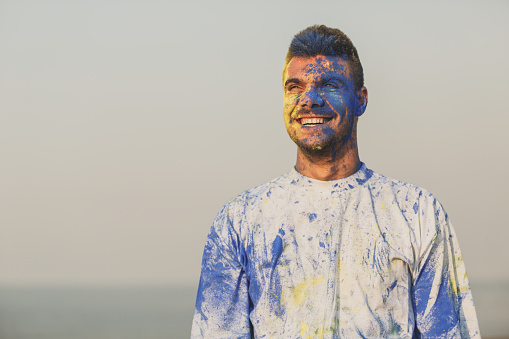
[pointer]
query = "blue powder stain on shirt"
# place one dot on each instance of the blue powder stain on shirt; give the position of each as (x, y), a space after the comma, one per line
(275, 280)
(416, 208)
(350, 186)
(392, 286)
(443, 312)
(312, 216)
(322, 244)
(219, 266)
(277, 249)
(281, 231)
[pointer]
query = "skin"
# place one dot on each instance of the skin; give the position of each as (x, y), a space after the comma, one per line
(323, 87)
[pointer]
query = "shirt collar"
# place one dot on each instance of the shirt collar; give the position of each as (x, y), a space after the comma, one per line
(353, 181)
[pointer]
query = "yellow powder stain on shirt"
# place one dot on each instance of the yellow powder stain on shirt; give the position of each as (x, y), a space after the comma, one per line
(303, 328)
(458, 259)
(320, 332)
(266, 201)
(309, 195)
(301, 291)
(385, 208)
(458, 286)
(453, 285)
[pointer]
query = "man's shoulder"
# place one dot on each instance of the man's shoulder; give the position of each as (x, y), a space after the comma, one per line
(409, 197)
(263, 191)
(381, 184)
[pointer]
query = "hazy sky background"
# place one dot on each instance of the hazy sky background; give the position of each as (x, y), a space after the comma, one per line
(126, 125)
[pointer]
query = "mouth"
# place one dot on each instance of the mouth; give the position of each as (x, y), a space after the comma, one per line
(314, 121)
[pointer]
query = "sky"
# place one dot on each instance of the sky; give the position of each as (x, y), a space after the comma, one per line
(126, 125)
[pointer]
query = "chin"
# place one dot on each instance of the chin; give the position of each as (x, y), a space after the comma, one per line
(322, 147)
(314, 148)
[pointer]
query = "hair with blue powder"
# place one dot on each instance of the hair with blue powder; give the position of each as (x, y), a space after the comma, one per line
(322, 40)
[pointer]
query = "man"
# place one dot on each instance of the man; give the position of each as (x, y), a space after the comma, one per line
(332, 249)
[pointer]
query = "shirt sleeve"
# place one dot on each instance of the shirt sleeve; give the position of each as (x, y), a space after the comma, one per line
(222, 303)
(442, 299)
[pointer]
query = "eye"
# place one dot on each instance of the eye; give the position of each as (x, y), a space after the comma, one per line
(330, 86)
(293, 88)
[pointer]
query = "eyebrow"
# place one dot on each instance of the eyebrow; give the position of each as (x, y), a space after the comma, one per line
(294, 80)
(333, 76)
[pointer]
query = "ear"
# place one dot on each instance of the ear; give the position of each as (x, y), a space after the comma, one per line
(362, 96)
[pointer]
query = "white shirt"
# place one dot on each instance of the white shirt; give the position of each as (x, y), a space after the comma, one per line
(361, 257)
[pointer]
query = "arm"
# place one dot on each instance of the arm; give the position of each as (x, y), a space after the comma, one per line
(222, 303)
(443, 304)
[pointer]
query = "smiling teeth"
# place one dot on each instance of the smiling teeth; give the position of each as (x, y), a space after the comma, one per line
(307, 121)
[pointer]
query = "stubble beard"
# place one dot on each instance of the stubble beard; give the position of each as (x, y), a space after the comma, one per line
(331, 147)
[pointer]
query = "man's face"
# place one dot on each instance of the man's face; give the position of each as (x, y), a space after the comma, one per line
(320, 102)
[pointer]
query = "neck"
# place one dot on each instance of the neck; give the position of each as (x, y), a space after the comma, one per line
(336, 164)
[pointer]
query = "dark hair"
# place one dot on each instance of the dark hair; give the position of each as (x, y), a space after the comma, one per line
(323, 40)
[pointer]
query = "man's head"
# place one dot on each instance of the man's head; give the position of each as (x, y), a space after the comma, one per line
(323, 40)
(323, 92)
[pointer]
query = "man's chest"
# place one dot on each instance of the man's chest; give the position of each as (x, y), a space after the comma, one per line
(331, 268)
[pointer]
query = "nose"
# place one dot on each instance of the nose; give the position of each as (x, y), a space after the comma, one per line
(311, 98)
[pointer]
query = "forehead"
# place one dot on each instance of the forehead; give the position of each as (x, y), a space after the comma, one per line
(317, 66)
